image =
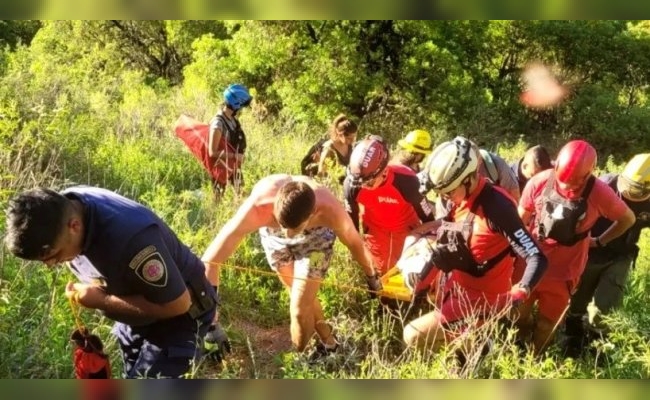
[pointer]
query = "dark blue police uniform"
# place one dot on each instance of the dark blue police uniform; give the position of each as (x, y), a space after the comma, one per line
(131, 251)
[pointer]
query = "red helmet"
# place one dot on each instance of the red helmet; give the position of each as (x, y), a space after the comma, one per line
(369, 157)
(575, 161)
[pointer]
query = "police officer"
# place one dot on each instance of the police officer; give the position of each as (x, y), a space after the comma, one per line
(608, 265)
(130, 266)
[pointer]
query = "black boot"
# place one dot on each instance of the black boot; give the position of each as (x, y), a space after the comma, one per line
(575, 336)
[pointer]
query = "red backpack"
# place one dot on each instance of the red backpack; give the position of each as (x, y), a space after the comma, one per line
(89, 359)
(195, 135)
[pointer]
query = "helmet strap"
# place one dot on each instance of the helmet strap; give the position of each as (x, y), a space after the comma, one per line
(467, 184)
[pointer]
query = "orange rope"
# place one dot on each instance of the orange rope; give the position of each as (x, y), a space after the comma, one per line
(74, 306)
(269, 273)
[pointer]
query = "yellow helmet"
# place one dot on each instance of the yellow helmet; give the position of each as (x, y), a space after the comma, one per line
(634, 181)
(417, 141)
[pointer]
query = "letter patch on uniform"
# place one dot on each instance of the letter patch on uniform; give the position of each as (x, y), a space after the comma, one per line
(149, 266)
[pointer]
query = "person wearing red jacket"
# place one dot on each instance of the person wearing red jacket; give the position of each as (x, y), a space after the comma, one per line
(390, 197)
(475, 244)
(561, 205)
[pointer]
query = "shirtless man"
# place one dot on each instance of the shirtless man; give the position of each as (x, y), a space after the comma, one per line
(298, 221)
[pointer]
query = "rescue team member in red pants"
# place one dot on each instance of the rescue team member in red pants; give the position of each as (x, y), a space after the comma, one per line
(561, 205)
(475, 241)
(390, 197)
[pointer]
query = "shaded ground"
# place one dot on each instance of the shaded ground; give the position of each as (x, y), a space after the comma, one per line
(256, 352)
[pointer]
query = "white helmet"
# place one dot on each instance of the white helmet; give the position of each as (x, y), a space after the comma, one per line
(450, 163)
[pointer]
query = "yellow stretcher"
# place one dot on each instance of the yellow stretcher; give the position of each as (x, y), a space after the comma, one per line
(394, 286)
(393, 280)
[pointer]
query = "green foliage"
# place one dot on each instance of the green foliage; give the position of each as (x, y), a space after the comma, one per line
(94, 102)
(14, 33)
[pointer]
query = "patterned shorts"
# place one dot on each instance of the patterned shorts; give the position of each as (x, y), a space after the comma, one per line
(310, 252)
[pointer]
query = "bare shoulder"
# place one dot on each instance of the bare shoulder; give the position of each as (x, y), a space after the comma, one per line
(269, 185)
(266, 189)
(329, 210)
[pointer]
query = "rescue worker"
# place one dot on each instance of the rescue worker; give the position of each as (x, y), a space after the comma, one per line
(536, 159)
(608, 266)
(298, 221)
(413, 148)
(130, 266)
(490, 165)
(225, 124)
(474, 246)
(562, 205)
(392, 204)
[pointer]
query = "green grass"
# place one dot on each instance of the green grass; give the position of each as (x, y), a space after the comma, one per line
(36, 321)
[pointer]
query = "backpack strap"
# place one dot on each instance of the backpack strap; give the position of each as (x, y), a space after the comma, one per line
(490, 166)
(585, 197)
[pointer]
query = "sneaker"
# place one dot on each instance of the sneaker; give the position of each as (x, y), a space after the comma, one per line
(320, 352)
(573, 347)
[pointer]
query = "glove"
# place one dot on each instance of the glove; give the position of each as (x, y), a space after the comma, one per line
(412, 280)
(374, 285)
(216, 342)
(518, 294)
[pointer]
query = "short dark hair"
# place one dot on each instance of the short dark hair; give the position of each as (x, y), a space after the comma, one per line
(540, 157)
(294, 203)
(35, 219)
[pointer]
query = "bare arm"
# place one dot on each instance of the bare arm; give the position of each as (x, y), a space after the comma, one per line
(213, 138)
(616, 229)
(430, 227)
(246, 220)
(344, 229)
(134, 306)
(326, 154)
(525, 215)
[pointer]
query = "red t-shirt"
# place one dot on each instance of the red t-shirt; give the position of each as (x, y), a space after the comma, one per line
(395, 206)
(568, 262)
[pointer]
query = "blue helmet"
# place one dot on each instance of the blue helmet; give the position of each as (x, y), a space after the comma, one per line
(237, 96)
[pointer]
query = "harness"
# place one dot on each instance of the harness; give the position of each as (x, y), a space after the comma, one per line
(452, 250)
(236, 136)
(560, 216)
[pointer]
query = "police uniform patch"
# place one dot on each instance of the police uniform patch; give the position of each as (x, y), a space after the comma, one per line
(150, 267)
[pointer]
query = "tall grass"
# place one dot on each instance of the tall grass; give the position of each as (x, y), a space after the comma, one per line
(35, 318)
